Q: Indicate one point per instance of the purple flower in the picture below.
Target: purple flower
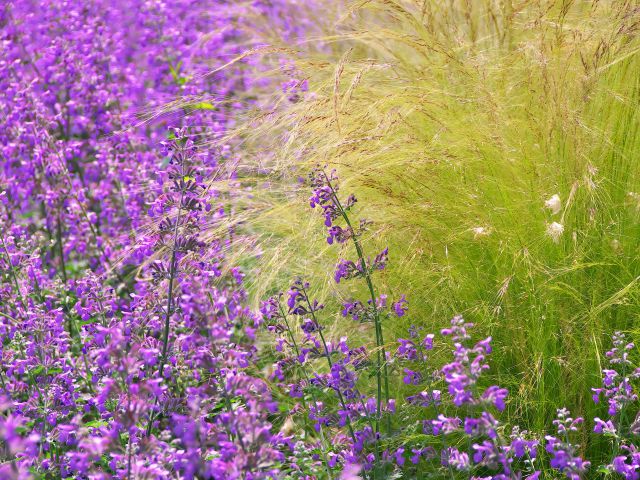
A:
(411, 377)
(616, 389)
(293, 296)
(469, 363)
(401, 306)
(418, 453)
(445, 425)
(427, 341)
(602, 426)
(345, 269)
(380, 262)
(425, 398)
(355, 309)
(407, 350)
(628, 465)
(486, 424)
(564, 457)
(457, 459)
(496, 396)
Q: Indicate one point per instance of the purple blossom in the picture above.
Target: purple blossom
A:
(496, 396)
(425, 398)
(457, 459)
(411, 377)
(407, 350)
(628, 465)
(427, 341)
(401, 306)
(564, 457)
(346, 269)
(356, 310)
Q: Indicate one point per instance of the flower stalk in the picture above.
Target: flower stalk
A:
(382, 374)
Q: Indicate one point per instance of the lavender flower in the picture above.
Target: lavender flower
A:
(617, 389)
(564, 456)
(401, 306)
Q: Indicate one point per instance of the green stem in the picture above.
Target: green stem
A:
(13, 273)
(381, 370)
(167, 318)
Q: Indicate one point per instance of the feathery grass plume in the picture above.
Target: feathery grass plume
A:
(446, 116)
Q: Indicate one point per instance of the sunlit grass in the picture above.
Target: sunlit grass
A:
(454, 122)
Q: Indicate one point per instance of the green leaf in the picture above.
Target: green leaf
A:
(201, 106)
(96, 423)
(87, 322)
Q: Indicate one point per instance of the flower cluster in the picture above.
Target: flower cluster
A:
(622, 425)
(564, 456)
(126, 339)
(322, 376)
(326, 378)
(325, 194)
(460, 434)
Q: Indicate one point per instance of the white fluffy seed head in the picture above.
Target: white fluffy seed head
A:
(554, 204)
(555, 231)
(480, 232)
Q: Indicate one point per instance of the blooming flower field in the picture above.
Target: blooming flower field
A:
(319, 240)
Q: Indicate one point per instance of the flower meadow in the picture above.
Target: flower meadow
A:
(158, 321)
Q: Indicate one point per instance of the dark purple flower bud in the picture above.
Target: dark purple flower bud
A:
(380, 262)
(309, 326)
(411, 377)
(292, 298)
